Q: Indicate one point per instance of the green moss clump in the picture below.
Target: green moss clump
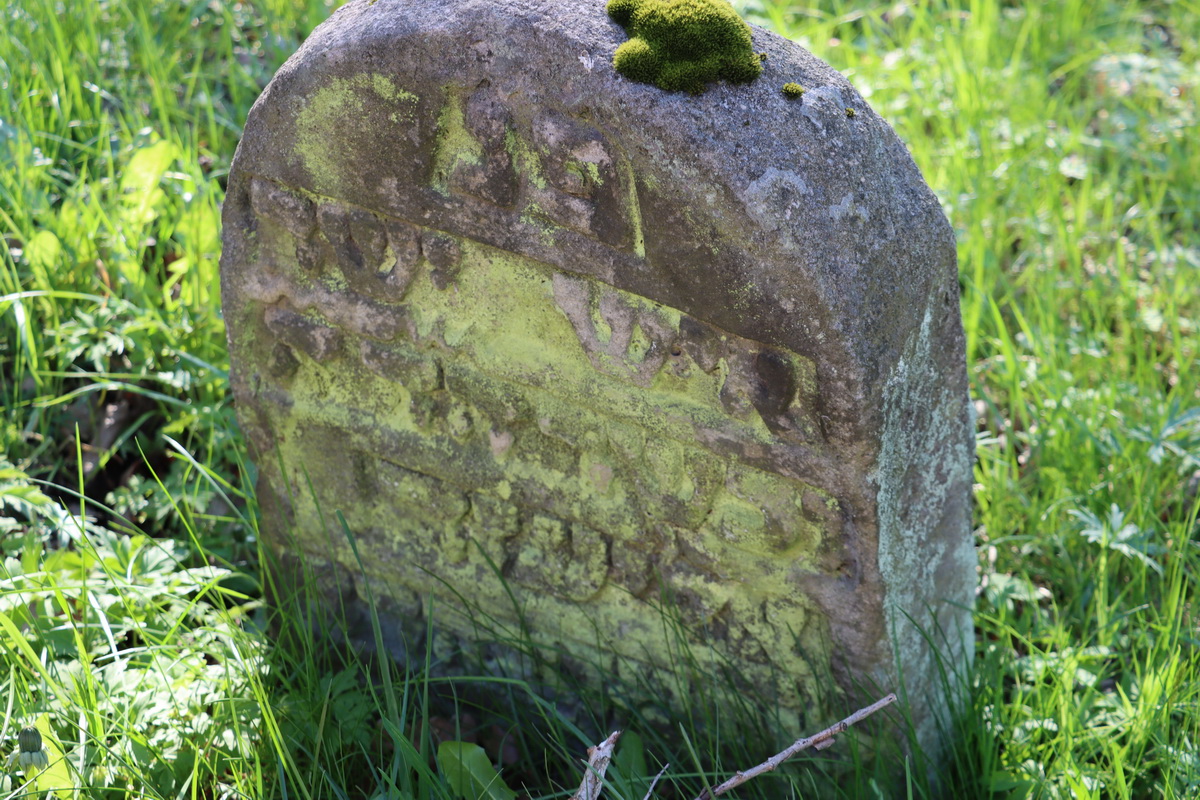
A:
(622, 11)
(792, 90)
(683, 45)
(637, 61)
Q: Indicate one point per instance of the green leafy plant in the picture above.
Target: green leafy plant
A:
(1119, 536)
(470, 773)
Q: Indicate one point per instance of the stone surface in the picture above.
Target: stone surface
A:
(498, 305)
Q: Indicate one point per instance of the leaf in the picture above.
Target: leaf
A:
(630, 763)
(1127, 539)
(43, 250)
(1006, 781)
(631, 757)
(140, 192)
(18, 642)
(1005, 590)
(56, 776)
(470, 773)
(1179, 436)
(18, 492)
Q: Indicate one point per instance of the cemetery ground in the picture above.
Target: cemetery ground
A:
(135, 627)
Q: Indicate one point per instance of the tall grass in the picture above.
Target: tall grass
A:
(133, 630)
(1057, 136)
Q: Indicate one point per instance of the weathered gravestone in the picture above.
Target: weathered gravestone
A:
(491, 300)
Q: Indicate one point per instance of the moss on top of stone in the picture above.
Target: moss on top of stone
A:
(683, 45)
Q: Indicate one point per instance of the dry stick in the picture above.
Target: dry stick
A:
(654, 782)
(820, 741)
(598, 760)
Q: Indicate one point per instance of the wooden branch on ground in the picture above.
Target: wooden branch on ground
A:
(598, 760)
(818, 741)
(601, 755)
(654, 782)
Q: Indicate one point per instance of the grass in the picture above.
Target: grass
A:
(133, 630)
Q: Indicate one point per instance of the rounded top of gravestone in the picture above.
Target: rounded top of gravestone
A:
(801, 223)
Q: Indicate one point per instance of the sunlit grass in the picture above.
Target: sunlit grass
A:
(1059, 138)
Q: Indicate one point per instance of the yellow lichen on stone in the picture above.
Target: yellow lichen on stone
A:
(557, 423)
(455, 144)
(319, 124)
(639, 451)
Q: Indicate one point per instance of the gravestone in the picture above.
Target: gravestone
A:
(508, 311)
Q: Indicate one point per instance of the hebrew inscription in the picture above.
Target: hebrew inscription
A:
(587, 435)
(594, 425)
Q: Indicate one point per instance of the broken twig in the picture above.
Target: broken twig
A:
(654, 782)
(817, 741)
(598, 760)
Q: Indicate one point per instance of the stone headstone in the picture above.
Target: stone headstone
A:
(498, 305)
